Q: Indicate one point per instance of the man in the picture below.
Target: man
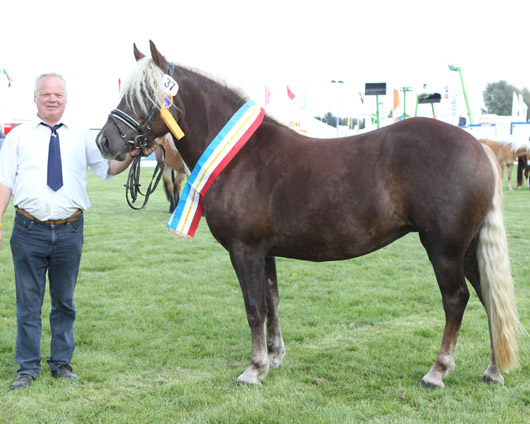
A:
(43, 165)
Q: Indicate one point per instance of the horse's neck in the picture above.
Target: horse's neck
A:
(203, 121)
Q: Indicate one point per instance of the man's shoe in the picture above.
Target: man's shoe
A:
(23, 380)
(64, 371)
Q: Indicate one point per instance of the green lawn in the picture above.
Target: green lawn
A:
(162, 333)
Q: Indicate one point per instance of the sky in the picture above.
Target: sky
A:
(303, 44)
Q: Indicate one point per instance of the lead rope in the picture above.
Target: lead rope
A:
(132, 188)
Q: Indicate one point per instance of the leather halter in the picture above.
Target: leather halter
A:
(132, 188)
(140, 141)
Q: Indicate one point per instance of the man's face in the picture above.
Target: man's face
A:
(50, 99)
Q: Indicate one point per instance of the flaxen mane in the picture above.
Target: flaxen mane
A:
(144, 88)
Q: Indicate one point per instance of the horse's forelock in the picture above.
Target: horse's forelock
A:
(144, 88)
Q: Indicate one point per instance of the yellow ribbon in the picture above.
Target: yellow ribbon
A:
(175, 129)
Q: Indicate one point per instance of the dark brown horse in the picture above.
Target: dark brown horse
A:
(288, 195)
(523, 168)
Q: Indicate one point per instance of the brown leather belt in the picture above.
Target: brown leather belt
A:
(72, 218)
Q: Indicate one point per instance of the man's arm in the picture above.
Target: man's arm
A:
(5, 197)
(116, 166)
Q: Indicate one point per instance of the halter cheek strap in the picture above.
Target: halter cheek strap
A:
(140, 140)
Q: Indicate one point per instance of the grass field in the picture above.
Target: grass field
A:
(161, 333)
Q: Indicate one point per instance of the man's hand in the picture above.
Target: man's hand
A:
(115, 167)
(135, 152)
(5, 197)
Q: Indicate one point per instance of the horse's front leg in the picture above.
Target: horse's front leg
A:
(275, 344)
(249, 265)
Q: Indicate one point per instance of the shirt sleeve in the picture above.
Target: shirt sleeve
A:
(96, 162)
(8, 160)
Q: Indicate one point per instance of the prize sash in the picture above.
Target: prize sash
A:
(215, 158)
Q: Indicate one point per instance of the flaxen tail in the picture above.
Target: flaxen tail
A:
(496, 279)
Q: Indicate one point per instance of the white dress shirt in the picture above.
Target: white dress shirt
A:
(23, 168)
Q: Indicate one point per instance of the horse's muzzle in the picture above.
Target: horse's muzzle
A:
(103, 144)
(105, 147)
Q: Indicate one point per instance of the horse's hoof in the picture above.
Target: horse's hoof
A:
(250, 376)
(492, 376)
(274, 363)
(431, 385)
(490, 380)
(275, 359)
(243, 381)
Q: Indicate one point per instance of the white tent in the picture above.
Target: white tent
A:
(288, 113)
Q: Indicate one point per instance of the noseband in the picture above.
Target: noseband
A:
(140, 139)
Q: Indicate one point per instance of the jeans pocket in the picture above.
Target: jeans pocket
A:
(77, 224)
(23, 222)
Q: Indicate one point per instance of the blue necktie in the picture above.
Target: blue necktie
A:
(55, 168)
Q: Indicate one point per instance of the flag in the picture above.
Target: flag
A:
(290, 94)
(268, 96)
(396, 104)
(9, 80)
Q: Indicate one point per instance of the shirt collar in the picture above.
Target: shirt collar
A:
(38, 120)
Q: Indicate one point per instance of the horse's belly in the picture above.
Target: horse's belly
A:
(332, 244)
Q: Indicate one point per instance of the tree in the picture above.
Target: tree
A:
(498, 97)
(526, 98)
(329, 119)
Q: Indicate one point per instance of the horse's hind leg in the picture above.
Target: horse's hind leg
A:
(169, 187)
(177, 181)
(450, 275)
(275, 344)
(471, 271)
(520, 168)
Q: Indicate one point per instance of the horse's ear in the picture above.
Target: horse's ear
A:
(137, 53)
(158, 58)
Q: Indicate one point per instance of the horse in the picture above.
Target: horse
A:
(174, 170)
(288, 195)
(523, 168)
(506, 153)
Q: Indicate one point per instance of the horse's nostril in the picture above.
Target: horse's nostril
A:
(104, 144)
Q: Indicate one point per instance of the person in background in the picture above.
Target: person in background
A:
(2, 136)
(43, 166)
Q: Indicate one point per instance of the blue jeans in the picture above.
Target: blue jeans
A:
(39, 248)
